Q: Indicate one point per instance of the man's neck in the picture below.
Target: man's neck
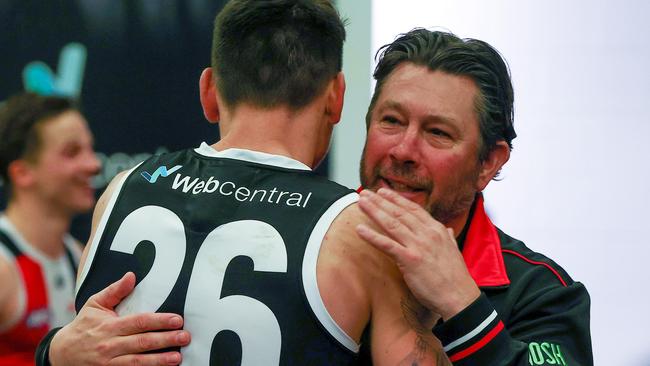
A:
(294, 134)
(42, 226)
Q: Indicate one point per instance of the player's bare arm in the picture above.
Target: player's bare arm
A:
(353, 272)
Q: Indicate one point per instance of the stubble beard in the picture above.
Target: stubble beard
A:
(446, 208)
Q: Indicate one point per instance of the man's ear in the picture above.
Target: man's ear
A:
(208, 93)
(335, 98)
(492, 164)
(20, 174)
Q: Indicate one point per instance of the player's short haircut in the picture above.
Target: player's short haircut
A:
(276, 52)
(20, 118)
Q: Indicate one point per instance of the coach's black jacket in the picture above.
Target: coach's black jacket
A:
(530, 311)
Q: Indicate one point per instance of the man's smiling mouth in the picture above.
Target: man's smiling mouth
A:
(400, 186)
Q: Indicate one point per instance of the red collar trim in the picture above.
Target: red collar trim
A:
(482, 250)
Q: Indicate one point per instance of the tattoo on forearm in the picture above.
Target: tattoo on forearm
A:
(415, 314)
(443, 360)
(410, 360)
(418, 317)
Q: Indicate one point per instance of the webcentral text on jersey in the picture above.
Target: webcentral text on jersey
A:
(241, 193)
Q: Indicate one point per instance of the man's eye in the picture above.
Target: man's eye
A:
(439, 132)
(391, 120)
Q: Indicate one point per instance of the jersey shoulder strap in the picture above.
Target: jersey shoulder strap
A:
(9, 244)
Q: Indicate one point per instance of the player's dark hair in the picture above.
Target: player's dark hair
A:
(276, 52)
(20, 117)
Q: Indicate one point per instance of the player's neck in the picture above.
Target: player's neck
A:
(42, 227)
(295, 134)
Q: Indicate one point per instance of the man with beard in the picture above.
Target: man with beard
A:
(439, 130)
(257, 254)
(46, 163)
(440, 127)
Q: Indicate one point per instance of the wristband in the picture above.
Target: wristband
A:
(42, 356)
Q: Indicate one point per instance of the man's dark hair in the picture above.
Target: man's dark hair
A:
(20, 117)
(276, 52)
(464, 57)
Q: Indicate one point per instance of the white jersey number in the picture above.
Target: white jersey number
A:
(206, 313)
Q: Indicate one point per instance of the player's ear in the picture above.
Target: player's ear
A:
(20, 173)
(335, 97)
(208, 93)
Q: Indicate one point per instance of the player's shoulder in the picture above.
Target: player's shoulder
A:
(7, 256)
(340, 236)
(344, 226)
(6, 265)
(108, 192)
(343, 236)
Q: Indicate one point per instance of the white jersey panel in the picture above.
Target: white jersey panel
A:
(309, 271)
(58, 273)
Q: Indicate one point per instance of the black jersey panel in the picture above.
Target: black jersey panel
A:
(223, 240)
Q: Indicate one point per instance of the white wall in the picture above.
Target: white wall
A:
(347, 142)
(576, 187)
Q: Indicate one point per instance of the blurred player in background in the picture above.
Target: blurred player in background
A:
(46, 163)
